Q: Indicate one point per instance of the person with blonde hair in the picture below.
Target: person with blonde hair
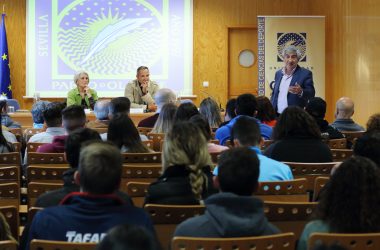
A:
(165, 119)
(186, 178)
(82, 95)
(211, 111)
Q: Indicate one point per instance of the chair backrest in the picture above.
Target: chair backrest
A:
(29, 132)
(13, 158)
(292, 190)
(33, 146)
(60, 245)
(17, 146)
(144, 130)
(32, 211)
(139, 173)
(266, 144)
(341, 154)
(337, 143)
(137, 192)
(46, 158)
(319, 183)
(10, 194)
(10, 174)
(276, 241)
(17, 132)
(100, 130)
(350, 241)
(8, 245)
(156, 138)
(149, 144)
(166, 218)
(289, 216)
(310, 171)
(352, 136)
(12, 217)
(142, 157)
(47, 174)
(35, 189)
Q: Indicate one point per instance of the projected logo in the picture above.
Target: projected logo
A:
(286, 39)
(111, 38)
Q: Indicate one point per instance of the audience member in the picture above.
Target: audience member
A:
(123, 133)
(129, 237)
(211, 111)
(186, 178)
(5, 146)
(246, 104)
(185, 111)
(88, 215)
(162, 97)
(37, 111)
(343, 116)
(5, 231)
(101, 110)
(298, 138)
(246, 133)
(373, 124)
(204, 126)
(368, 145)
(165, 119)
(230, 112)
(233, 212)
(82, 95)
(349, 203)
(73, 117)
(265, 111)
(119, 105)
(6, 120)
(53, 120)
(316, 107)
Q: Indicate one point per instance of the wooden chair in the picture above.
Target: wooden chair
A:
(8, 245)
(137, 192)
(276, 241)
(319, 183)
(10, 194)
(17, 132)
(35, 189)
(310, 171)
(8, 159)
(166, 217)
(142, 157)
(29, 132)
(292, 190)
(144, 130)
(266, 144)
(33, 146)
(141, 173)
(215, 157)
(100, 130)
(156, 138)
(337, 143)
(32, 211)
(229, 144)
(289, 216)
(17, 146)
(350, 241)
(148, 143)
(352, 136)
(341, 154)
(10, 174)
(60, 245)
(46, 158)
(47, 174)
(11, 215)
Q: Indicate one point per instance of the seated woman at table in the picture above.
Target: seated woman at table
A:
(6, 120)
(82, 94)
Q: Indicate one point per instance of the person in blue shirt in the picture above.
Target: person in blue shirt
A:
(246, 133)
(246, 104)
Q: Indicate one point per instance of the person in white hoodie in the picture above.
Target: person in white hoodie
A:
(233, 212)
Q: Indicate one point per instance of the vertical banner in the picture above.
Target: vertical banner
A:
(5, 77)
(277, 32)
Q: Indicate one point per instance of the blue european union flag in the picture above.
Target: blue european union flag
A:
(5, 76)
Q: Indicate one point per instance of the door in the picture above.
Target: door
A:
(242, 61)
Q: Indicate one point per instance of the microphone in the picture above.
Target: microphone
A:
(215, 99)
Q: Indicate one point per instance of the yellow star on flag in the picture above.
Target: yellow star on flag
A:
(3, 94)
(10, 87)
(4, 57)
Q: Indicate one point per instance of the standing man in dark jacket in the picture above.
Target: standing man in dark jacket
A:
(293, 85)
(233, 212)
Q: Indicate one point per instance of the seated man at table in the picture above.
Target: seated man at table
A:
(53, 120)
(233, 212)
(86, 216)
